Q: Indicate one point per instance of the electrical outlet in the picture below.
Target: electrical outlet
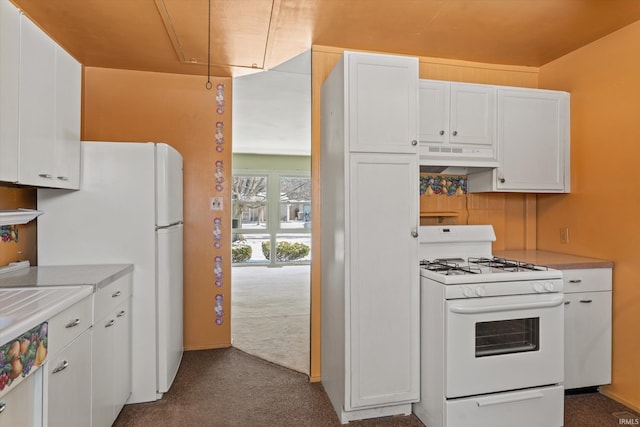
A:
(564, 235)
(215, 204)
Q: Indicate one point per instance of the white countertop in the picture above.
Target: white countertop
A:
(23, 308)
(32, 295)
(98, 276)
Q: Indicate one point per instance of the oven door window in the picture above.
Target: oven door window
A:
(507, 336)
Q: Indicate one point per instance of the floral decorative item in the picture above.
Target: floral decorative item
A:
(19, 356)
(9, 233)
(448, 185)
(219, 136)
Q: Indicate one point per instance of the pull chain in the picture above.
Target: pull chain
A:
(209, 85)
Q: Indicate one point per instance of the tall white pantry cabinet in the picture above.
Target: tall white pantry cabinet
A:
(369, 222)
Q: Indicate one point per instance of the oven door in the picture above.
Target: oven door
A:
(504, 343)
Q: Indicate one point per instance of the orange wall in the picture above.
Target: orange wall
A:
(177, 109)
(602, 209)
(25, 246)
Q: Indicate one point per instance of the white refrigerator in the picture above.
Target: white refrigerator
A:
(128, 210)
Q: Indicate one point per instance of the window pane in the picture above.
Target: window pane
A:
(293, 248)
(249, 249)
(295, 203)
(249, 202)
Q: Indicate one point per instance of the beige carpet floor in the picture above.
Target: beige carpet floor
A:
(270, 309)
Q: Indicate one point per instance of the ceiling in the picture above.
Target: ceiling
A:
(249, 35)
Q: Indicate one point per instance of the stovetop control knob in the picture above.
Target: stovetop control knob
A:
(480, 291)
(467, 292)
(548, 286)
(537, 286)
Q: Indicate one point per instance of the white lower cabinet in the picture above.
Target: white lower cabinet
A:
(111, 352)
(67, 380)
(587, 322)
(69, 385)
(22, 405)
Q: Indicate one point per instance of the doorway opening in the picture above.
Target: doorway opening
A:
(271, 214)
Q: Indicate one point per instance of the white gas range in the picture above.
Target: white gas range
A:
(492, 341)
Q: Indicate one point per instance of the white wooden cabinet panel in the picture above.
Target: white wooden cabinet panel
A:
(383, 97)
(532, 143)
(384, 279)
(472, 114)
(40, 90)
(370, 270)
(9, 90)
(69, 384)
(111, 351)
(23, 405)
(36, 106)
(587, 324)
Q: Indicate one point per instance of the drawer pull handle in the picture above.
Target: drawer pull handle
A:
(567, 302)
(63, 178)
(3, 405)
(575, 281)
(122, 313)
(45, 175)
(75, 322)
(586, 301)
(111, 323)
(64, 365)
(116, 294)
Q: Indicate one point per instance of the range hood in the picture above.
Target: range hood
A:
(454, 163)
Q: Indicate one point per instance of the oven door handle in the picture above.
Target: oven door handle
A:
(554, 301)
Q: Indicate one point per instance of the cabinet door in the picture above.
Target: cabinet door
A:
(472, 114)
(383, 289)
(103, 370)
(383, 103)
(9, 90)
(67, 120)
(587, 356)
(69, 384)
(533, 140)
(122, 356)
(22, 406)
(37, 91)
(433, 101)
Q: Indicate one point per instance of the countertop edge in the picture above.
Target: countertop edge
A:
(556, 260)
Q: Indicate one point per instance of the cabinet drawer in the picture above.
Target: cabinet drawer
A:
(587, 280)
(107, 298)
(69, 324)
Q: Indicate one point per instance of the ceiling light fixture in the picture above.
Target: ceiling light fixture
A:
(209, 85)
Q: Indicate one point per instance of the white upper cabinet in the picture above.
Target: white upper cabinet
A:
(456, 120)
(40, 114)
(382, 102)
(533, 143)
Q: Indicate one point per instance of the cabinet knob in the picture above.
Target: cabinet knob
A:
(63, 178)
(122, 313)
(75, 322)
(3, 405)
(45, 175)
(414, 142)
(414, 234)
(61, 367)
(116, 294)
(567, 302)
(441, 132)
(110, 323)
(502, 180)
(454, 133)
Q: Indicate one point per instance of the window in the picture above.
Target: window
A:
(271, 218)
